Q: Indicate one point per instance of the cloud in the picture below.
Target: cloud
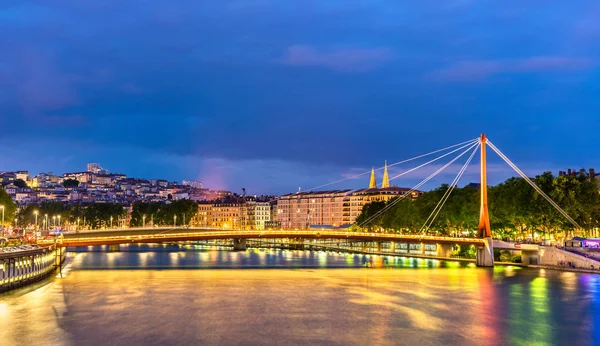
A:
(37, 81)
(474, 70)
(338, 59)
(467, 71)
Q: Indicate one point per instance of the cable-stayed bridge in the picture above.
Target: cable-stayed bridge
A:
(417, 244)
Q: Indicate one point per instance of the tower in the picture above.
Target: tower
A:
(386, 179)
(484, 217)
(373, 182)
(485, 252)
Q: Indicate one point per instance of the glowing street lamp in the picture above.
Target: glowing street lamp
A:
(58, 221)
(35, 230)
(2, 207)
(174, 220)
(111, 218)
(144, 221)
(53, 221)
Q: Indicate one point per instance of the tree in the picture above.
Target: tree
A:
(368, 213)
(103, 214)
(163, 213)
(71, 183)
(10, 208)
(20, 183)
(517, 210)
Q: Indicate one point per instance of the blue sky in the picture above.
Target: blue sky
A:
(276, 95)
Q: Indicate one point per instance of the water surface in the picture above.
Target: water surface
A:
(297, 297)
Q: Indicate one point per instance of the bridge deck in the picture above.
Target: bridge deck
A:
(158, 235)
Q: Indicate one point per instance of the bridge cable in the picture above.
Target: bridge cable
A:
(447, 193)
(397, 200)
(437, 158)
(394, 164)
(530, 182)
(409, 192)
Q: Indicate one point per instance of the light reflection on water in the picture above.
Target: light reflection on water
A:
(191, 257)
(364, 300)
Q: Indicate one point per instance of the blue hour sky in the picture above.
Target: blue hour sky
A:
(275, 95)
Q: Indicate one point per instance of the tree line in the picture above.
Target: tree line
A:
(516, 210)
(99, 215)
(178, 212)
(92, 216)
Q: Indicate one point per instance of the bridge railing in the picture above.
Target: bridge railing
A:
(173, 233)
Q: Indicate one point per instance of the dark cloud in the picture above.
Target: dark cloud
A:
(174, 89)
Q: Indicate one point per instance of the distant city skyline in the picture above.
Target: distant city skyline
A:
(497, 171)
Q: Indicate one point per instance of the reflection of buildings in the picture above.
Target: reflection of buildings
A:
(335, 208)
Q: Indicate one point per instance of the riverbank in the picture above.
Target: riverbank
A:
(19, 269)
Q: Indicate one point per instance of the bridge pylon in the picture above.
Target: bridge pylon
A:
(485, 253)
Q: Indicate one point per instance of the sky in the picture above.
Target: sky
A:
(276, 95)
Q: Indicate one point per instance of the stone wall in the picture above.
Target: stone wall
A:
(557, 257)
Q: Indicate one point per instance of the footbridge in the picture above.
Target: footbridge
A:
(418, 243)
(401, 244)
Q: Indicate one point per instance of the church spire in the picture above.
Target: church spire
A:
(373, 182)
(386, 179)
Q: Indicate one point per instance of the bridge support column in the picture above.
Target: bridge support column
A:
(530, 257)
(239, 244)
(485, 253)
(114, 248)
(444, 250)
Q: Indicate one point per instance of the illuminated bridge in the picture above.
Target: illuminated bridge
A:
(416, 245)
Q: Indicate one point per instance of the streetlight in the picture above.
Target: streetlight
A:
(47, 226)
(35, 230)
(58, 221)
(174, 220)
(111, 218)
(77, 223)
(144, 221)
(53, 221)
(2, 207)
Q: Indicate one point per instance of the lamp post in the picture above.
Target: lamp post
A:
(144, 221)
(183, 219)
(111, 218)
(46, 218)
(77, 223)
(58, 221)
(174, 220)
(35, 230)
(2, 207)
(53, 221)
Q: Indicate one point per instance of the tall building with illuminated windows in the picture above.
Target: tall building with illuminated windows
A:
(334, 208)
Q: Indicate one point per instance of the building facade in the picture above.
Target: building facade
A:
(192, 183)
(302, 210)
(335, 208)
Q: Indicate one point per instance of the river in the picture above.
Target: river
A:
(184, 295)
